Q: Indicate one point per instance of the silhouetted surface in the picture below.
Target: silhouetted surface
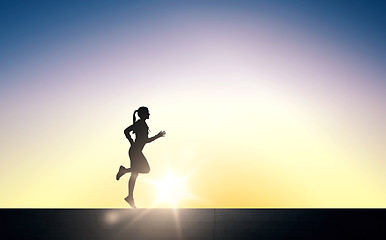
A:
(193, 223)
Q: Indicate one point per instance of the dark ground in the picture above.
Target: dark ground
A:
(193, 224)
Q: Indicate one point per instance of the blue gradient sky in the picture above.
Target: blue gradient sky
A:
(30, 27)
(305, 78)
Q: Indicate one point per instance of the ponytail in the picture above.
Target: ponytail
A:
(134, 116)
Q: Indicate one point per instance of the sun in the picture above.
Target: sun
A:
(171, 189)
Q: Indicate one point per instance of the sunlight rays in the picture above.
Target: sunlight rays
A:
(171, 189)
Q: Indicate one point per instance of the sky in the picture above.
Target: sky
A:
(264, 104)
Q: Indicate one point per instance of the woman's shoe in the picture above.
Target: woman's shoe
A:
(121, 172)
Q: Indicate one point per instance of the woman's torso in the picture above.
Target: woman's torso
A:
(141, 131)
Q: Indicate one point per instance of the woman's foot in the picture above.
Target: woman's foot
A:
(121, 172)
(130, 201)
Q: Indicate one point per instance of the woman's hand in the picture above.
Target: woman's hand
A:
(161, 134)
(131, 141)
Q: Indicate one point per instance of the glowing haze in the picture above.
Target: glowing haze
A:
(261, 108)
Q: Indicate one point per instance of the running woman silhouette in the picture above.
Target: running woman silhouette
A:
(138, 162)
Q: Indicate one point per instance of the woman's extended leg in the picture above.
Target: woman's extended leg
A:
(132, 180)
(130, 198)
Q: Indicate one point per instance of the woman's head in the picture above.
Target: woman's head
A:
(143, 113)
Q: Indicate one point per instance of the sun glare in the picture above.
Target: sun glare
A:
(171, 189)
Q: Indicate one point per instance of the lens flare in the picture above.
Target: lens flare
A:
(171, 189)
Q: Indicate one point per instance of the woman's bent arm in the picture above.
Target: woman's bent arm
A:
(127, 134)
(160, 134)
